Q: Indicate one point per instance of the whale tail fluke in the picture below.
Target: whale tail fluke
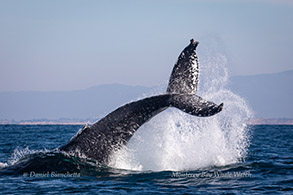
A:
(183, 85)
(184, 76)
(194, 105)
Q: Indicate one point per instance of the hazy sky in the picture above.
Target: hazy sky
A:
(69, 44)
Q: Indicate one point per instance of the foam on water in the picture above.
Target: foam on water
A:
(174, 140)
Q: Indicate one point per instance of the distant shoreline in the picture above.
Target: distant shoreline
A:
(270, 121)
(255, 121)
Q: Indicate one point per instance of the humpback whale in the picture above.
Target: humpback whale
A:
(113, 131)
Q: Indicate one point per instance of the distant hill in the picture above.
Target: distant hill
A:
(269, 95)
(80, 104)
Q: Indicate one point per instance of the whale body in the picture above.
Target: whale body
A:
(99, 140)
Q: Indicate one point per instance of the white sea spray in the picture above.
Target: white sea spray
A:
(174, 140)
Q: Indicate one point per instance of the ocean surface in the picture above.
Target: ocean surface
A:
(31, 165)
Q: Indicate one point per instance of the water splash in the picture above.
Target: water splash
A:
(19, 153)
(174, 140)
(3, 165)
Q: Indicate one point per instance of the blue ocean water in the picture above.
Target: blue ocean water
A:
(30, 165)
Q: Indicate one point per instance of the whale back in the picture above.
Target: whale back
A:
(115, 129)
